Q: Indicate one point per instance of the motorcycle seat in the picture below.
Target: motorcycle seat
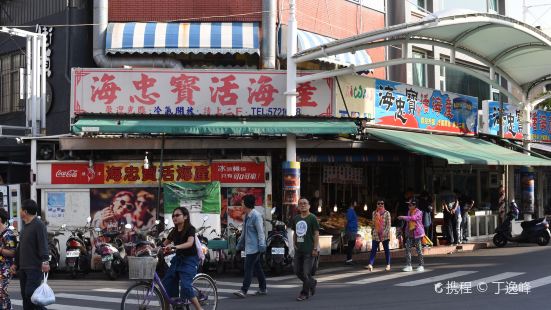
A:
(527, 224)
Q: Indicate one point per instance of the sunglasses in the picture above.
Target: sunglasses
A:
(380, 203)
(177, 214)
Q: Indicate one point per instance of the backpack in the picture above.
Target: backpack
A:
(199, 247)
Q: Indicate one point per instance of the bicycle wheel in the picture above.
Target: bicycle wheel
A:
(140, 297)
(206, 292)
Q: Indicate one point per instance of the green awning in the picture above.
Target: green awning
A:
(457, 150)
(234, 127)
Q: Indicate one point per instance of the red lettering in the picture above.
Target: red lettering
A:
(143, 85)
(261, 91)
(183, 173)
(202, 173)
(131, 173)
(107, 91)
(224, 94)
(114, 173)
(184, 86)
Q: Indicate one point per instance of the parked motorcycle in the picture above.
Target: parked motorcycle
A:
(53, 248)
(78, 252)
(236, 257)
(204, 245)
(218, 253)
(535, 231)
(277, 246)
(113, 254)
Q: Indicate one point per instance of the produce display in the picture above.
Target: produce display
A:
(337, 221)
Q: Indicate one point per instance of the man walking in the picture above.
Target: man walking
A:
(253, 242)
(31, 256)
(351, 231)
(306, 241)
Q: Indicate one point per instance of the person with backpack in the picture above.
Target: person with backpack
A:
(8, 244)
(253, 242)
(184, 265)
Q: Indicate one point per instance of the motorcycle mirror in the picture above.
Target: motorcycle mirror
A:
(157, 222)
(205, 218)
(88, 220)
(63, 226)
(128, 226)
(273, 211)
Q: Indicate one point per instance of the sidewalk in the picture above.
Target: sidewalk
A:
(400, 253)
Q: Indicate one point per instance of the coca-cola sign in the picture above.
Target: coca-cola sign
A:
(66, 173)
(77, 173)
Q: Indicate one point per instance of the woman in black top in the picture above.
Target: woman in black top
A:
(184, 265)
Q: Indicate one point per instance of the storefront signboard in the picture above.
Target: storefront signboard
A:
(406, 106)
(511, 119)
(193, 92)
(358, 93)
(121, 173)
(238, 172)
(541, 126)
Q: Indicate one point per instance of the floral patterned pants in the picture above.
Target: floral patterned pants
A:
(5, 302)
(417, 243)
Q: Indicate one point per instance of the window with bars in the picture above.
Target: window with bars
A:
(10, 65)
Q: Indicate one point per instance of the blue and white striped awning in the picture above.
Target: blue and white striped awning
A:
(195, 38)
(308, 40)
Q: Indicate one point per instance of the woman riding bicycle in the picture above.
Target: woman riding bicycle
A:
(185, 263)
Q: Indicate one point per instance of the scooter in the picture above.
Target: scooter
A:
(218, 253)
(204, 245)
(235, 256)
(535, 231)
(53, 248)
(78, 253)
(113, 254)
(277, 246)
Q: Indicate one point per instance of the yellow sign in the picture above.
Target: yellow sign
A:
(359, 96)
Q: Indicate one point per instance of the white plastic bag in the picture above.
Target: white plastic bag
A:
(43, 295)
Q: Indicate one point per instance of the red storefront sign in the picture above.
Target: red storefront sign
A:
(77, 173)
(238, 172)
(128, 173)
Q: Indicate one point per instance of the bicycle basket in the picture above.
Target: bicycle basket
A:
(141, 268)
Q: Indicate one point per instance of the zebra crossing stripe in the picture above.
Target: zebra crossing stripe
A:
(446, 276)
(322, 271)
(497, 277)
(19, 302)
(540, 282)
(390, 276)
(343, 275)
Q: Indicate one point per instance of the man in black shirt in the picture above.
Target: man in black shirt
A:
(31, 256)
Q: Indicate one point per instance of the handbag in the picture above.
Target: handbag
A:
(426, 241)
(43, 295)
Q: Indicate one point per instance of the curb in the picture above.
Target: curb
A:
(400, 253)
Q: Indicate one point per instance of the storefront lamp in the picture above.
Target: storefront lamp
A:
(335, 208)
(319, 209)
(365, 207)
(146, 161)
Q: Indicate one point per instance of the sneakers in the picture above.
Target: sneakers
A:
(369, 267)
(261, 293)
(302, 297)
(313, 288)
(420, 269)
(387, 268)
(240, 294)
(349, 262)
(407, 269)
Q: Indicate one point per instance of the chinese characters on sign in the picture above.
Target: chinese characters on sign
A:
(135, 173)
(511, 119)
(194, 92)
(541, 125)
(342, 175)
(358, 93)
(406, 106)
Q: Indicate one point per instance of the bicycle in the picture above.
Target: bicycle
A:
(149, 293)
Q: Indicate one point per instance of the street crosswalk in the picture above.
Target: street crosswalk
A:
(103, 298)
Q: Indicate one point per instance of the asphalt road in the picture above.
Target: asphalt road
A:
(515, 277)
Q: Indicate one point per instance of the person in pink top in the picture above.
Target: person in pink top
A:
(414, 234)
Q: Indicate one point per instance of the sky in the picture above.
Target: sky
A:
(538, 12)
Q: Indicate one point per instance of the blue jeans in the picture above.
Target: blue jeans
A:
(182, 268)
(29, 280)
(375, 247)
(253, 264)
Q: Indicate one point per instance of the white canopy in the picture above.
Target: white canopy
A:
(517, 51)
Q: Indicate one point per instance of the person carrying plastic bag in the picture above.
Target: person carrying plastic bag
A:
(31, 256)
